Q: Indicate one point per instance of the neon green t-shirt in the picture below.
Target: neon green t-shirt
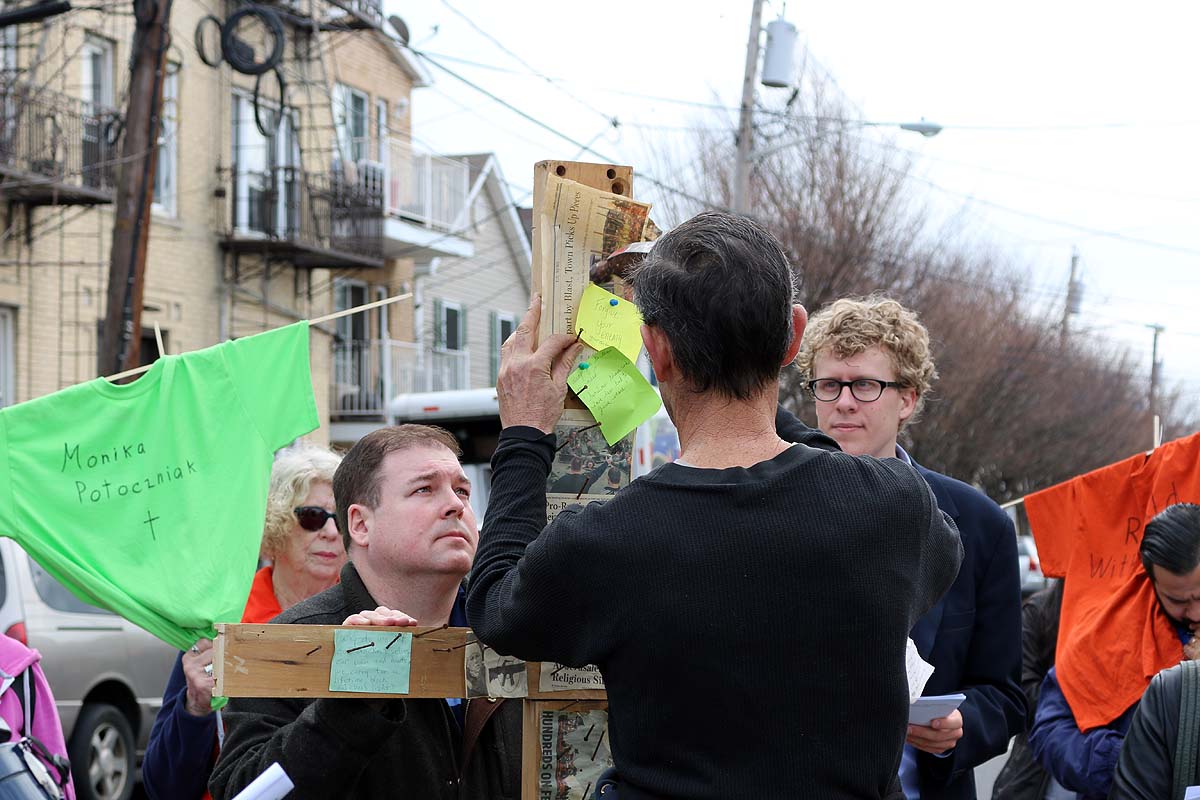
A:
(148, 498)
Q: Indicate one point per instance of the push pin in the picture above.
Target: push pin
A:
(584, 365)
(613, 301)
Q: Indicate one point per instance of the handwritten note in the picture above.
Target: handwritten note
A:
(373, 661)
(919, 671)
(606, 320)
(615, 392)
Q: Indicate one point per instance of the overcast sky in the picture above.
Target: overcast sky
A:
(1066, 123)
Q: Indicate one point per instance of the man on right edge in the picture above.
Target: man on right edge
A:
(747, 606)
(868, 366)
(1087, 761)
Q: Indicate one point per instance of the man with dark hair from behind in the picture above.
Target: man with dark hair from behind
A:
(614, 481)
(748, 605)
(1086, 762)
(404, 510)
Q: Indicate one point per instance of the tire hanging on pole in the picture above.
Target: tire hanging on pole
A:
(199, 40)
(234, 49)
(270, 130)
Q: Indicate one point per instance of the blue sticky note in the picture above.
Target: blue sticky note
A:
(369, 660)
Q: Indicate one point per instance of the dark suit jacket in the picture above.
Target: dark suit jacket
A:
(972, 637)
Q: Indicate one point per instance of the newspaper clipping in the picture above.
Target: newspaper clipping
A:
(560, 678)
(490, 674)
(579, 226)
(574, 752)
(585, 469)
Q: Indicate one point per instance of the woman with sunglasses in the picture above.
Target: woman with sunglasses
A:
(302, 544)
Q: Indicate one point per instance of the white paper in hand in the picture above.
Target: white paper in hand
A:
(926, 709)
(918, 669)
(1191, 793)
(271, 785)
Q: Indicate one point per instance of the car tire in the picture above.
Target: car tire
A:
(102, 754)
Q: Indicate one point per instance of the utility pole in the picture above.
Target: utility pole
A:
(1073, 297)
(121, 340)
(745, 139)
(1154, 369)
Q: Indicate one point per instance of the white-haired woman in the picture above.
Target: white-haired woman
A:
(301, 540)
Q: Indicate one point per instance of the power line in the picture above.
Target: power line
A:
(656, 98)
(584, 148)
(1030, 178)
(611, 120)
(1101, 232)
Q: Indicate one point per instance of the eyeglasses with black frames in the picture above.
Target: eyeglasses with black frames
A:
(864, 390)
(312, 518)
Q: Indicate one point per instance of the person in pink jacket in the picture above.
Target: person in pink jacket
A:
(16, 658)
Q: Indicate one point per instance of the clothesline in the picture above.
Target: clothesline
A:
(335, 315)
(1158, 434)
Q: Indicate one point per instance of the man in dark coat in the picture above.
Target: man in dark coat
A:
(403, 507)
(868, 366)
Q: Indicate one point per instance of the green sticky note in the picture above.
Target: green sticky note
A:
(366, 660)
(615, 392)
(607, 325)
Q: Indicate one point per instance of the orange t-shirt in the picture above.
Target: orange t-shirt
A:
(1113, 636)
(261, 606)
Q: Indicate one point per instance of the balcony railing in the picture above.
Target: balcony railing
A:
(56, 148)
(363, 13)
(367, 374)
(326, 219)
(428, 189)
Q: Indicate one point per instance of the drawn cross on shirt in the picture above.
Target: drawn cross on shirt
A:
(150, 520)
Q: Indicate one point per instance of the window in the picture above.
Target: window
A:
(7, 355)
(96, 91)
(350, 294)
(57, 596)
(502, 327)
(350, 110)
(449, 326)
(266, 196)
(164, 173)
(8, 50)
(381, 131)
(96, 88)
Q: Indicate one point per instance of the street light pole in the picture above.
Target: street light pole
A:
(745, 139)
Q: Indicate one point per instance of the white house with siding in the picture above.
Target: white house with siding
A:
(467, 306)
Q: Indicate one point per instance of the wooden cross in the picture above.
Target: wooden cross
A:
(295, 660)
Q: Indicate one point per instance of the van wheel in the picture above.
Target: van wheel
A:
(102, 754)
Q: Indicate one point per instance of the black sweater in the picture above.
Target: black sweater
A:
(750, 624)
(336, 748)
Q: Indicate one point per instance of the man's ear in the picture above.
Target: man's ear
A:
(359, 520)
(658, 349)
(908, 403)
(799, 321)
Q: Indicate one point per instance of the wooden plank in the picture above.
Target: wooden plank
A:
(294, 661)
